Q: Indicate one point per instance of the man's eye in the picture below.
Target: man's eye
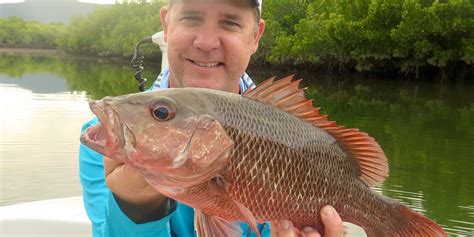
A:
(231, 24)
(190, 18)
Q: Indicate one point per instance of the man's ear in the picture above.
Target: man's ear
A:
(164, 22)
(258, 36)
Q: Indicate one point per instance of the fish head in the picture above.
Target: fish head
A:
(169, 135)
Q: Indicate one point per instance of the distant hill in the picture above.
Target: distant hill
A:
(47, 11)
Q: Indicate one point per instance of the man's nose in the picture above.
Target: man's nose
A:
(207, 38)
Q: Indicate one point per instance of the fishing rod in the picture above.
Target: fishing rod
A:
(137, 63)
(138, 58)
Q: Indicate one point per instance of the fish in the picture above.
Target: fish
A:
(265, 155)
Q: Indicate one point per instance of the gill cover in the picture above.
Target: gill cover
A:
(204, 146)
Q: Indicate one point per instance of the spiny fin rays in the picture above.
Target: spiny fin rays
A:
(286, 95)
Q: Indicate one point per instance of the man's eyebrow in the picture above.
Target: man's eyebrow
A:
(189, 12)
(233, 17)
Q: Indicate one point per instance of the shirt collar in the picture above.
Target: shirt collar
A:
(162, 81)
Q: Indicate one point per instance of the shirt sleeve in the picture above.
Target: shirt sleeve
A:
(106, 216)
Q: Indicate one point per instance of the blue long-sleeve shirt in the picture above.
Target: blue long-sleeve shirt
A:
(106, 216)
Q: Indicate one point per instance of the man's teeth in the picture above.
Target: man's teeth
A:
(211, 64)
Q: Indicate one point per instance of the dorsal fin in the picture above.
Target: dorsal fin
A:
(286, 95)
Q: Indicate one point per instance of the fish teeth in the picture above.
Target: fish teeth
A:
(202, 64)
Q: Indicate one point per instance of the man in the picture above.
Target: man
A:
(210, 43)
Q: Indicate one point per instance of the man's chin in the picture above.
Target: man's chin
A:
(209, 83)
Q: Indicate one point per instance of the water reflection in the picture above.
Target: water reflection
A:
(426, 129)
(38, 144)
(427, 134)
(38, 83)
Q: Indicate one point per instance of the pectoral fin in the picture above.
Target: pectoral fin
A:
(219, 186)
(208, 225)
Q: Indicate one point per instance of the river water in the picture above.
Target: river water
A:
(425, 128)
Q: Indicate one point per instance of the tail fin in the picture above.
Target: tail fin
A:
(410, 223)
(418, 225)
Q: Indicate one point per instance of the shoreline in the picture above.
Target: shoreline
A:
(35, 51)
(61, 53)
(390, 74)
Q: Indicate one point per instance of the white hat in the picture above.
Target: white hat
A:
(259, 4)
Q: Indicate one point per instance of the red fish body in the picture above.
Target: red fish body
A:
(263, 156)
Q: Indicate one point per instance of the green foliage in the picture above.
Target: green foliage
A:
(15, 32)
(436, 35)
(368, 35)
(108, 31)
(280, 20)
(112, 31)
(376, 34)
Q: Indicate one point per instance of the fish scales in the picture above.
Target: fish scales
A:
(291, 167)
(285, 147)
(243, 158)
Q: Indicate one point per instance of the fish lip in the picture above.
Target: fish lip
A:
(88, 138)
(108, 136)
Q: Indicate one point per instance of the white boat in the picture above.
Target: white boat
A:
(63, 217)
(54, 217)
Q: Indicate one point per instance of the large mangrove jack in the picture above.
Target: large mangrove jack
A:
(265, 155)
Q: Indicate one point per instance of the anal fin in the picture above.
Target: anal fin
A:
(219, 187)
(214, 226)
(248, 217)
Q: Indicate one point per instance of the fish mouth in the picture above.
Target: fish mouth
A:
(110, 136)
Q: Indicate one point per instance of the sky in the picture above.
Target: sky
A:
(90, 1)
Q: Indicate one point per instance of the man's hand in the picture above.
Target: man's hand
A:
(331, 220)
(137, 199)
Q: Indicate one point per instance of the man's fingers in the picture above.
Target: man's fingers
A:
(110, 165)
(127, 177)
(310, 232)
(282, 228)
(274, 229)
(332, 222)
(120, 173)
(121, 177)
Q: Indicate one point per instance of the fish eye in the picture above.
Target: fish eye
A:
(163, 111)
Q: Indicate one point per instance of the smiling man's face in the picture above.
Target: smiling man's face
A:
(210, 42)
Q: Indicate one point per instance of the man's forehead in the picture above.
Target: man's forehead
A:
(250, 3)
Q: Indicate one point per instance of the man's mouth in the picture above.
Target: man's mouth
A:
(206, 64)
